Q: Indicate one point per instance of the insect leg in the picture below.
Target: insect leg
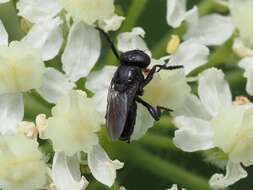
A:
(108, 38)
(155, 113)
(153, 71)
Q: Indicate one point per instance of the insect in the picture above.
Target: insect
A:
(126, 89)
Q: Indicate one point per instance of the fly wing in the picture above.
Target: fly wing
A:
(118, 106)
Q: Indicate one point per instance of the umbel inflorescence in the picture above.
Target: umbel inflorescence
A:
(56, 69)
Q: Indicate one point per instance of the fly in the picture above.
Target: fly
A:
(126, 89)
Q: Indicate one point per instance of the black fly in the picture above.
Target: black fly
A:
(125, 90)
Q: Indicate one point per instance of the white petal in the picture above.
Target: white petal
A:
(176, 12)
(133, 40)
(247, 65)
(208, 30)
(38, 10)
(144, 121)
(214, 91)
(234, 173)
(55, 85)
(3, 35)
(111, 24)
(11, 112)
(82, 51)
(4, 1)
(192, 107)
(193, 134)
(47, 37)
(241, 49)
(66, 173)
(191, 55)
(98, 82)
(102, 168)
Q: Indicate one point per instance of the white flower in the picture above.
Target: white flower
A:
(21, 70)
(204, 123)
(75, 120)
(21, 165)
(88, 11)
(174, 187)
(96, 12)
(79, 57)
(204, 30)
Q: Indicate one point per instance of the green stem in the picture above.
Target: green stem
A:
(157, 142)
(34, 107)
(134, 12)
(167, 170)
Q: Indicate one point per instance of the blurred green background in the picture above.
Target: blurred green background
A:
(153, 162)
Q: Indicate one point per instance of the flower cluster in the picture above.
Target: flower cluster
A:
(204, 112)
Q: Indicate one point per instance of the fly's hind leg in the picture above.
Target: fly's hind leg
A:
(155, 112)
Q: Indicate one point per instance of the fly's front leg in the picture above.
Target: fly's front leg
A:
(161, 67)
(155, 113)
(115, 52)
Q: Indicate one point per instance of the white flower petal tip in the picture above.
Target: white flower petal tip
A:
(98, 82)
(144, 121)
(3, 35)
(207, 30)
(214, 91)
(82, 51)
(191, 55)
(111, 24)
(66, 173)
(176, 12)
(38, 11)
(55, 85)
(89, 11)
(74, 119)
(247, 65)
(175, 187)
(11, 112)
(122, 188)
(21, 68)
(47, 37)
(234, 172)
(133, 40)
(193, 134)
(102, 168)
(22, 165)
(241, 49)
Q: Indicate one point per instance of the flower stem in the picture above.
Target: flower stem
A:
(167, 170)
(157, 142)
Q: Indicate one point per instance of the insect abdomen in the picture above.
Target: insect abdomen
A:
(130, 122)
